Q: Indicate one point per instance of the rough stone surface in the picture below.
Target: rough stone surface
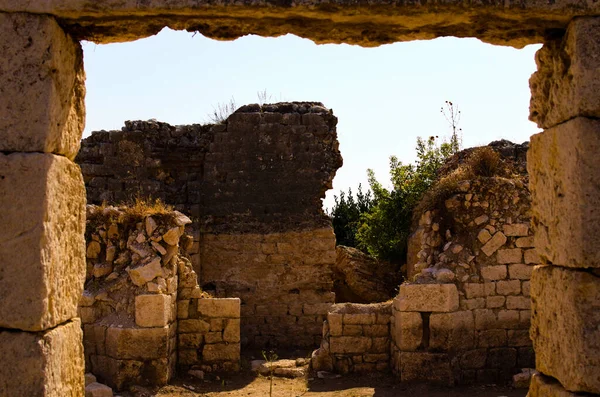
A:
(42, 93)
(564, 326)
(98, 390)
(137, 343)
(359, 278)
(42, 249)
(427, 298)
(224, 308)
(566, 84)
(45, 364)
(563, 164)
(512, 23)
(408, 330)
(152, 310)
(544, 386)
(426, 367)
(452, 331)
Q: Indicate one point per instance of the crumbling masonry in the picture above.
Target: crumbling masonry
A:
(42, 250)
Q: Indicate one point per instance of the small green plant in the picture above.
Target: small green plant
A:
(270, 358)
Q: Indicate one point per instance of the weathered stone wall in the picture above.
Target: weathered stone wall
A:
(42, 197)
(137, 286)
(253, 186)
(128, 308)
(284, 280)
(565, 184)
(465, 315)
(356, 339)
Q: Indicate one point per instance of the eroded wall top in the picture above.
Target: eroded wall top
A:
(510, 22)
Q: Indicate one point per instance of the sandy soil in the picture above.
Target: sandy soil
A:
(247, 384)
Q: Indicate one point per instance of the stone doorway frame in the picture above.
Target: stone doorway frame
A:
(42, 196)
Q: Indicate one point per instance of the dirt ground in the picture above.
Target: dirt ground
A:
(247, 384)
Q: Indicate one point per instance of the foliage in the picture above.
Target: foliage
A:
(384, 230)
(346, 214)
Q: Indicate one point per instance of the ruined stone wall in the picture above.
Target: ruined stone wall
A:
(137, 285)
(465, 315)
(356, 339)
(253, 188)
(128, 308)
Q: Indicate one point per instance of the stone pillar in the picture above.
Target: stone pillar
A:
(564, 168)
(42, 202)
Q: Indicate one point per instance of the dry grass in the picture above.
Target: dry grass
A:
(484, 161)
(130, 213)
(481, 162)
(443, 189)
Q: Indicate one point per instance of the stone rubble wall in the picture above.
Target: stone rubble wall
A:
(128, 307)
(253, 188)
(137, 286)
(356, 339)
(465, 315)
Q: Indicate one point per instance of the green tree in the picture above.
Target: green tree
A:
(346, 214)
(384, 230)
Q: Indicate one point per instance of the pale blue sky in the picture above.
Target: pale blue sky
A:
(384, 97)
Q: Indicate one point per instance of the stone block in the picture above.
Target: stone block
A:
(564, 326)
(563, 166)
(509, 255)
(451, 331)
(427, 298)
(485, 319)
(190, 341)
(474, 290)
(566, 82)
(231, 333)
(426, 367)
(193, 326)
(544, 386)
(137, 343)
(221, 352)
(42, 103)
(349, 344)
(42, 248)
(335, 324)
(408, 330)
(509, 319)
(493, 272)
(494, 302)
(519, 338)
(532, 256)
(525, 242)
(219, 307)
(502, 357)
(516, 229)
(520, 271)
(152, 310)
(359, 318)
(45, 364)
(472, 304)
(473, 359)
(508, 287)
(518, 302)
(96, 389)
(495, 243)
(491, 338)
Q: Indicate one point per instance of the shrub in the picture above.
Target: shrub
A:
(484, 161)
(346, 213)
(384, 230)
